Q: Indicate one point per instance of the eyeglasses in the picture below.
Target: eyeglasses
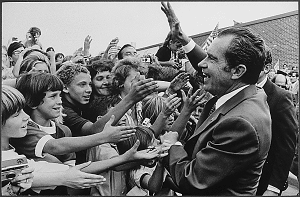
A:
(17, 52)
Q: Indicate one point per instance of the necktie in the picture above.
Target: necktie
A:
(209, 108)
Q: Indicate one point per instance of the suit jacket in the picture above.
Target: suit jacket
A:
(225, 155)
(284, 132)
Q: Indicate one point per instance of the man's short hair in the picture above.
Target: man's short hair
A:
(120, 55)
(14, 46)
(34, 87)
(69, 70)
(245, 48)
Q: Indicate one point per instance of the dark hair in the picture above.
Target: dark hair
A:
(50, 49)
(100, 66)
(268, 59)
(58, 54)
(34, 87)
(247, 49)
(292, 72)
(69, 70)
(120, 55)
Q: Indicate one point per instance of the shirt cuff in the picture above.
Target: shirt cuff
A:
(40, 145)
(273, 189)
(178, 143)
(187, 48)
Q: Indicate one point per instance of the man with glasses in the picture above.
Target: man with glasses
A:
(14, 51)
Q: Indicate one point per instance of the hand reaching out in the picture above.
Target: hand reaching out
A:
(133, 154)
(77, 179)
(191, 102)
(114, 134)
(172, 103)
(178, 83)
(141, 88)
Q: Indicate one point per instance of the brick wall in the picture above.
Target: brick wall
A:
(280, 33)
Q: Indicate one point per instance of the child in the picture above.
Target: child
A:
(43, 103)
(14, 125)
(145, 180)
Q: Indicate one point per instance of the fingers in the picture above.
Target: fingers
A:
(136, 145)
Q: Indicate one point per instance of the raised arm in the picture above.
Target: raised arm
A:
(194, 52)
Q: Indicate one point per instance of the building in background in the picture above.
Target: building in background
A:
(280, 33)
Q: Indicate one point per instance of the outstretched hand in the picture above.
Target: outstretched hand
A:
(178, 83)
(141, 88)
(77, 179)
(114, 134)
(133, 154)
(87, 42)
(192, 101)
(172, 103)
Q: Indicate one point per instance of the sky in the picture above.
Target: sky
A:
(65, 25)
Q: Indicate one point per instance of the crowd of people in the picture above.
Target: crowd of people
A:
(183, 121)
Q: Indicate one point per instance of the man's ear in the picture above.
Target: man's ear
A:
(238, 71)
(267, 68)
(65, 90)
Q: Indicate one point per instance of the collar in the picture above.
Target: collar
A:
(49, 130)
(227, 96)
(262, 83)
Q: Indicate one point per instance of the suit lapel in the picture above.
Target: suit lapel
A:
(225, 108)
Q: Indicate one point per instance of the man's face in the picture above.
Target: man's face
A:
(59, 58)
(16, 53)
(129, 51)
(217, 81)
(50, 106)
(293, 77)
(80, 88)
(102, 83)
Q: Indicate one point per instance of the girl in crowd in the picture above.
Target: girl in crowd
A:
(143, 180)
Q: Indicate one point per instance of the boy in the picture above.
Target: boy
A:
(43, 104)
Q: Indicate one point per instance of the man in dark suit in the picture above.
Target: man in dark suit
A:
(226, 153)
(284, 130)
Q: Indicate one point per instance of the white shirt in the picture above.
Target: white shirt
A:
(228, 96)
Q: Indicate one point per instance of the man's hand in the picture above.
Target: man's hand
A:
(174, 23)
(77, 179)
(170, 136)
(178, 83)
(114, 134)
